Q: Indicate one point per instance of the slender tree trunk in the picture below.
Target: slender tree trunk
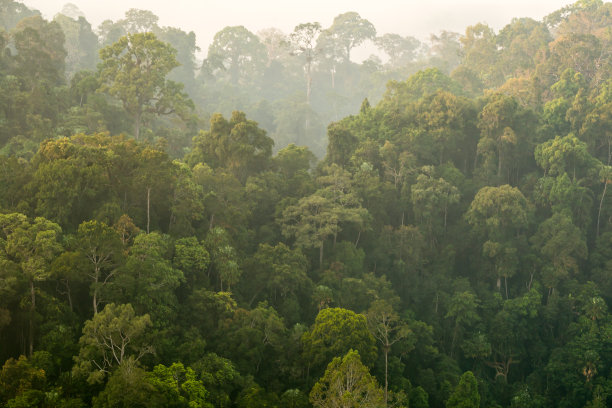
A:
(386, 375)
(32, 309)
(95, 292)
(445, 216)
(308, 84)
(506, 286)
(603, 195)
(137, 126)
(148, 208)
(69, 295)
(321, 255)
(499, 164)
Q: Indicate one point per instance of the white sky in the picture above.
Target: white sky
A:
(417, 18)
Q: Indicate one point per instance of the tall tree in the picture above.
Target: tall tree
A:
(335, 332)
(350, 31)
(347, 383)
(109, 339)
(102, 247)
(32, 245)
(239, 52)
(134, 70)
(303, 40)
(465, 395)
(386, 326)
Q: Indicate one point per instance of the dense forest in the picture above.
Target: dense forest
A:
(280, 226)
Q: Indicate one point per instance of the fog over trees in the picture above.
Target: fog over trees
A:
(279, 225)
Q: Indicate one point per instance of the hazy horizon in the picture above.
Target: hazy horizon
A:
(409, 17)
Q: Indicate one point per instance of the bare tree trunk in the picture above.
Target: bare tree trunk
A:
(32, 309)
(137, 126)
(603, 194)
(506, 285)
(148, 208)
(386, 376)
(321, 255)
(308, 84)
(69, 296)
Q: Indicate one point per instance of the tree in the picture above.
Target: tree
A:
(562, 244)
(504, 127)
(303, 39)
(277, 274)
(223, 256)
(102, 247)
(480, 52)
(386, 326)
(341, 144)
(239, 52)
(445, 50)
(311, 221)
(13, 12)
(254, 341)
(465, 395)
(334, 333)
(430, 197)
(293, 159)
(81, 43)
(238, 145)
(346, 383)
(31, 245)
(565, 154)
(134, 70)
(499, 215)
(193, 259)
(401, 50)
(350, 31)
(127, 387)
(20, 377)
(319, 216)
(177, 386)
(111, 338)
(40, 52)
(463, 309)
(148, 281)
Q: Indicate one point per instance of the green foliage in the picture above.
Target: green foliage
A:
(486, 161)
(336, 331)
(465, 395)
(134, 70)
(177, 386)
(347, 383)
(111, 338)
(237, 145)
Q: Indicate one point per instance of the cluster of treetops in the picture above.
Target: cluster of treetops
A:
(452, 248)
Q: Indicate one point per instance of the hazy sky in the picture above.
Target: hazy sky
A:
(418, 18)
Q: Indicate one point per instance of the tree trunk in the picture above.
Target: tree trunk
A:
(386, 375)
(137, 126)
(95, 292)
(321, 255)
(69, 295)
(32, 309)
(148, 208)
(308, 83)
(603, 194)
(506, 286)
